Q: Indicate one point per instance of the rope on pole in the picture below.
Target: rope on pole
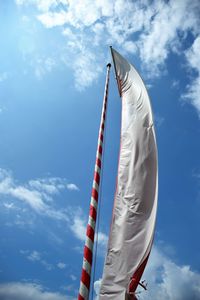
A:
(90, 233)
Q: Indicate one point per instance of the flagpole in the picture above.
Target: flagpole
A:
(84, 289)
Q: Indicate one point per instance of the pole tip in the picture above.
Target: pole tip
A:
(108, 65)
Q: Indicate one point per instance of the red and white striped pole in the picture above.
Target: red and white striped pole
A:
(89, 242)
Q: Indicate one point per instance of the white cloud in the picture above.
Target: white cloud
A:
(129, 46)
(61, 265)
(30, 291)
(193, 92)
(193, 54)
(8, 187)
(102, 239)
(42, 66)
(169, 281)
(51, 19)
(81, 56)
(34, 256)
(169, 19)
(47, 266)
(9, 205)
(175, 84)
(86, 68)
(166, 280)
(79, 227)
(97, 285)
(193, 89)
(42, 5)
(35, 193)
(73, 277)
(48, 185)
(72, 187)
(159, 120)
(33, 198)
(79, 13)
(152, 29)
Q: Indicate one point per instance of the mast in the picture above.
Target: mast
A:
(90, 233)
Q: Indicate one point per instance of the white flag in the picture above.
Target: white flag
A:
(135, 203)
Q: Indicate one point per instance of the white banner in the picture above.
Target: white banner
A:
(135, 203)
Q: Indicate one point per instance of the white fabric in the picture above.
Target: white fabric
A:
(135, 203)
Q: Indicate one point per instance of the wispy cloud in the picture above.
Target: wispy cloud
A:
(35, 198)
(43, 66)
(167, 280)
(37, 257)
(159, 120)
(175, 84)
(193, 89)
(36, 193)
(78, 227)
(20, 291)
(73, 277)
(61, 265)
(47, 266)
(9, 205)
(34, 256)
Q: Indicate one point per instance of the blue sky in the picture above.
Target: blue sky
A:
(52, 71)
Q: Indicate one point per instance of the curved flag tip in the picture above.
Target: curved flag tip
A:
(116, 74)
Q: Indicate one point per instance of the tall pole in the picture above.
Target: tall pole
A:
(90, 233)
